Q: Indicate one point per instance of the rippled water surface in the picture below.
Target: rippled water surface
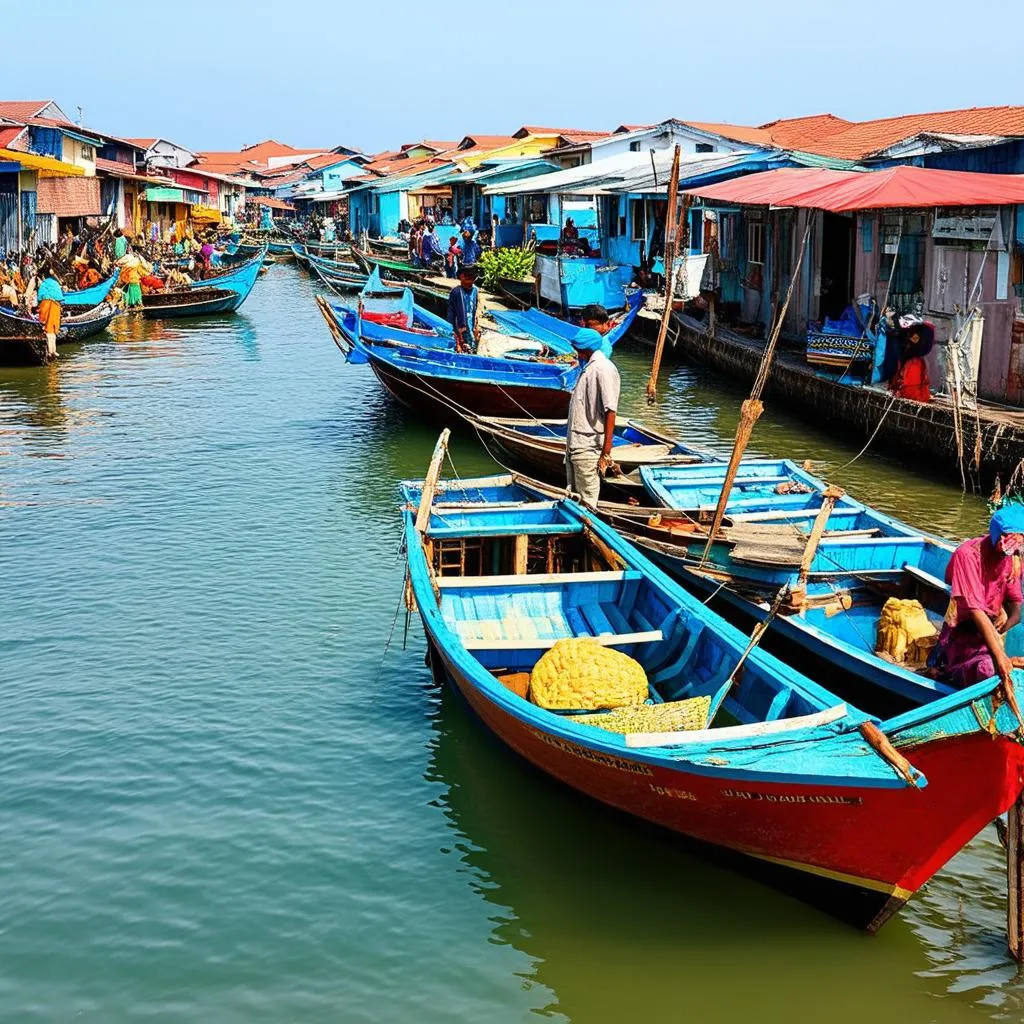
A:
(220, 800)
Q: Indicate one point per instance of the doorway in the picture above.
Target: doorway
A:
(836, 265)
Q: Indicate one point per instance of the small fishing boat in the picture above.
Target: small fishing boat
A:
(192, 302)
(91, 296)
(557, 333)
(300, 254)
(23, 341)
(538, 447)
(238, 279)
(838, 577)
(393, 248)
(395, 268)
(733, 748)
(280, 248)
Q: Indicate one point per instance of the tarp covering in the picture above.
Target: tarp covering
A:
(893, 188)
(273, 204)
(69, 197)
(44, 164)
(164, 195)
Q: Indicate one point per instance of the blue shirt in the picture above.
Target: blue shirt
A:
(468, 225)
(470, 252)
(462, 307)
(50, 289)
(430, 247)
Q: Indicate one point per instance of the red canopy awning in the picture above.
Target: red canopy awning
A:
(890, 189)
(273, 204)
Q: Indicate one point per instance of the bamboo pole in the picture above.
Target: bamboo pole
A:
(752, 407)
(670, 266)
(828, 502)
(430, 481)
(1015, 879)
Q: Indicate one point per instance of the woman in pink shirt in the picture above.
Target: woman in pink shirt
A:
(984, 576)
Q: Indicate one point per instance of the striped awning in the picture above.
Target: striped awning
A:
(69, 197)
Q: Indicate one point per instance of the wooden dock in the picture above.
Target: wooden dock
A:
(992, 439)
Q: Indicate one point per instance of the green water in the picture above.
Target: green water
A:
(219, 799)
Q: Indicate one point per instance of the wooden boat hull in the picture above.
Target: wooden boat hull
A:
(23, 342)
(858, 854)
(437, 398)
(192, 304)
(239, 279)
(91, 296)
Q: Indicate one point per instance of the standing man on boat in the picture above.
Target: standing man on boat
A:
(464, 310)
(431, 250)
(590, 428)
(984, 577)
(51, 295)
(468, 224)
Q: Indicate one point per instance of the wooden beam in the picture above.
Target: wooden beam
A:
(430, 481)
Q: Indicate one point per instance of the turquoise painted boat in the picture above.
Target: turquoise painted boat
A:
(91, 296)
(238, 279)
(732, 748)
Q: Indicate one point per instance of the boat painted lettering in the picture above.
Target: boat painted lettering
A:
(792, 798)
(608, 760)
(677, 794)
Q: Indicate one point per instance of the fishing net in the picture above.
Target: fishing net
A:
(580, 674)
(674, 716)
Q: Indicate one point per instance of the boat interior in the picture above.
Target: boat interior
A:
(514, 575)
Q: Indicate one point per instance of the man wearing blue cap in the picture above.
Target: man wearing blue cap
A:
(595, 399)
(984, 577)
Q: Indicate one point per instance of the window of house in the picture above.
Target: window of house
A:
(537, 209)
(902, 244)
(727, 237)
(88, 153)
(641, 221)
(755, 242)
(705, 147)
(634, 147)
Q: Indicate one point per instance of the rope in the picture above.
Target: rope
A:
(874, 433)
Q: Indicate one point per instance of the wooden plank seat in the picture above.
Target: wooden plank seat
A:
(540, 579)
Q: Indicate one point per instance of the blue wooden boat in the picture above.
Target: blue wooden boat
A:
(558, 333)
(239, 279)
(537, 447)
(300, 254)
(91, 296)
(848, 812)
(863, 558)
(280, 248)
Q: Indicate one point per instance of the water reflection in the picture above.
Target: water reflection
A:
(614, 916)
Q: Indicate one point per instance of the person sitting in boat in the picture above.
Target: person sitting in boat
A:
(984, 575)
(470, 249)
(910, 379)
(590, 428)
(88, 275)
(570, 239)
(8, 292)
(177, 280)
(464, 310)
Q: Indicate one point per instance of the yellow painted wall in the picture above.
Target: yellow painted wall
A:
(73, 153)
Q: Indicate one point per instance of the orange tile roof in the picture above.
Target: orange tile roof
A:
(8, 135)
(833, 136)
(141, 143)
(488, 142)
(21, 110)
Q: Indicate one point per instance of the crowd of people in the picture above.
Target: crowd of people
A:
(428, 249)
(35, 284)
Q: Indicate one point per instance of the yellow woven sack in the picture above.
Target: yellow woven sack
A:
(905, 633)
(582, 673)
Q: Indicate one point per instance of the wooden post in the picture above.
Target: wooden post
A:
(670, 266)
(1015, 879)
(828, 502)
(521, 553)
(430, 481)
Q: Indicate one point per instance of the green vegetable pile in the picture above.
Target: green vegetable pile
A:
(511, 263)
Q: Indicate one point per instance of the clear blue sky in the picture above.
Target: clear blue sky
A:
(217, 74)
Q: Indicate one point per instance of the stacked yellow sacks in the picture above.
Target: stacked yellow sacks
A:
(905, 633)
(582, 674)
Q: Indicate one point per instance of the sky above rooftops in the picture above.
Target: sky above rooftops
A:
(777, 62)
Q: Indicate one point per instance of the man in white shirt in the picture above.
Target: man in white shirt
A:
(595, 398)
